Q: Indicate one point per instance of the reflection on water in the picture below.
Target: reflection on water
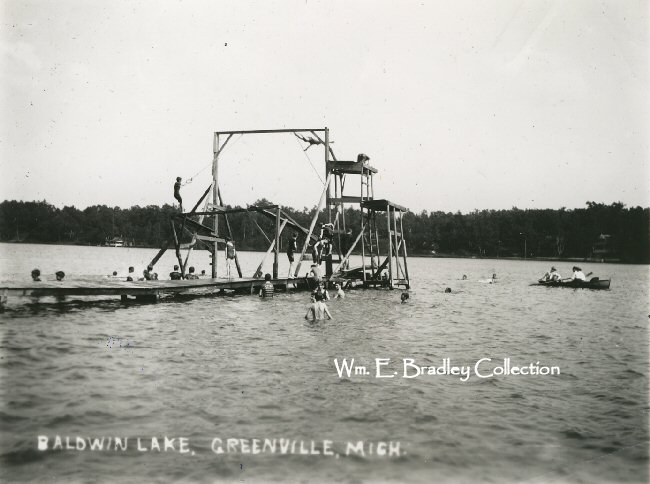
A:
(242, 367)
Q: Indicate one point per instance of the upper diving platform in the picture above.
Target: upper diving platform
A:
(350, 167)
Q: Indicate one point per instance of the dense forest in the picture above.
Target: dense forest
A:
(611, 232)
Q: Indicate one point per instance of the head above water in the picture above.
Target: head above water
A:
(448, 290)
(131, 269)
(114, 273)
(36, 273)
(404, 296)
(175, 267)
(59, 275)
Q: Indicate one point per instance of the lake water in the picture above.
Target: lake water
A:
(245, 368)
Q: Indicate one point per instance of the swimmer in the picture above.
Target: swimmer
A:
(404, 297)
(318, 310)
(59, 275)
(36, 275)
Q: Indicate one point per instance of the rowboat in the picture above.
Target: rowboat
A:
(593, 283)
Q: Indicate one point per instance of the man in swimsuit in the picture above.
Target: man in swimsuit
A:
(177, 192)
(318, 310)
(292, 247)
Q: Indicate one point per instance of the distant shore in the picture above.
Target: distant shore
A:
(422, 255)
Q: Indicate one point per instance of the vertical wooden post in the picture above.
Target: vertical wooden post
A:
(406, 269)
(327, 173)
(397, 264)
(363, 245)
(215, 199)
(277, 243)
(390, 249)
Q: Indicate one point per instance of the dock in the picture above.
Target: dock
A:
(144, 290)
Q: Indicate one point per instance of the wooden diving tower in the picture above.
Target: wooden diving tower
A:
(379, 235)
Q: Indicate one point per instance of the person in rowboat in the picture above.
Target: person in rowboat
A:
(578, 274)
(551, 276)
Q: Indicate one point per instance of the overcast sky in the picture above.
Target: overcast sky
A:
(460, 105)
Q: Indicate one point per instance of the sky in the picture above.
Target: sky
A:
(461, 105)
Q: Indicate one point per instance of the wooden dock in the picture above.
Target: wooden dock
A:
(143, 290)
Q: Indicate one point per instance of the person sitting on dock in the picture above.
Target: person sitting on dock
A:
(177, 192)
(292, 248)
(551, 276)
(131, 275)
(578, 274)
(267, 289)
(316, 251)
(318, 310)
(149, 274)
(175, 275)
(59, 275)
(191, 274)
(315, 274)
(36, 275)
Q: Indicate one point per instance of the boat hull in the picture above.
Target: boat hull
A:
(594, 283)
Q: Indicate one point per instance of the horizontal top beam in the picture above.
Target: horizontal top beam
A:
(220, 211)
(262, 131)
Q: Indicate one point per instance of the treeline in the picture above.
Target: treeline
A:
(610, 232)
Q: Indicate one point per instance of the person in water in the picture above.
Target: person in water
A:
(59, 275)
(578, 274)
(267, 289)
(320, 290)
(292, 248)
(177, 192)
(464, 277)
(551, 276)
(36, 275)
(317, 310)
(404, 297)
(339, 291)
(175, 275)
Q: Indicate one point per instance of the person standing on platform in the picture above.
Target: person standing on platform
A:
(177, 192)
(230, 255)
(292, 248)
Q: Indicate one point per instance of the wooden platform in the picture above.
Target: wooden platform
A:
(147, 289)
